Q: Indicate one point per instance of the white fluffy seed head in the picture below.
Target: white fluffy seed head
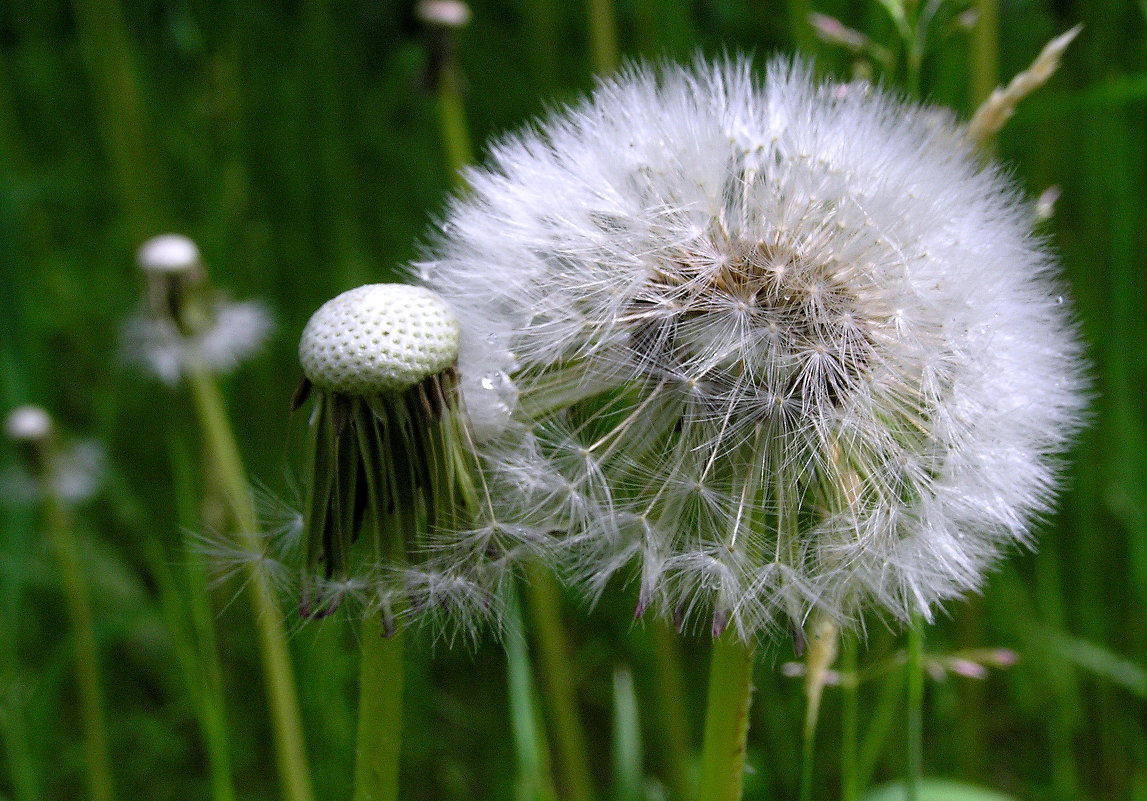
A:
(28, 424)
(776, 346)
(379, 338)
(169, 253)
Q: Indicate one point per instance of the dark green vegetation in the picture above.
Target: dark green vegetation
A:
(293, 142)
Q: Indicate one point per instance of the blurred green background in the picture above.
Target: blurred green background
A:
(294, 142)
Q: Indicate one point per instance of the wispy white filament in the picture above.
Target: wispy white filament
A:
(760, 346)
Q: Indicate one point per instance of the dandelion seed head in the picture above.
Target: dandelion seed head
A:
(798, 346)
(379, 338)
(169, 253)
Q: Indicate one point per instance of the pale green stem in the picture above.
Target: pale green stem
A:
(202, 658)
(558, 683)
(915, 727)
(379, 714)
(534, 780)
(603, 36)
(286, 721)
(78, 597)
(984, 55)
(849, 722)
(726, 719)
(452, 119)
(674, 734)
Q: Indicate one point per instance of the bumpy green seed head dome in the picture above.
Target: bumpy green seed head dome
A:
(379, 338)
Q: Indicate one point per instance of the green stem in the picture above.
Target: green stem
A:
(915, 727)
(286, 721)
(534, 781)
(201, 655)
(671, 709)
(726, 719)
(603, 36)
(984, 56)
(821, 654)
(379, 714)
(558, 683)
(452, 119)
(78, 598)
(849, 722)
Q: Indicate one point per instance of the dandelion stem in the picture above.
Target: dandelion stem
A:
(726, 718)
(671, 709)
(286, 721)
(201, 655)
(78, 598)
(452, 119)
(849, 722)
(984, 69)
(534, 781)
(379, 714)
(603, 36)
(558, 682)
(915, 727)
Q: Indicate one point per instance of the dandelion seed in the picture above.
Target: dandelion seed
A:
(185, 321)
(760, 348)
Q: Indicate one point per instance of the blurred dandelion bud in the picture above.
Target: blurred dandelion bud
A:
(391, 469)
(185, 320)
(443, 13)
(773, 347)
(44, 468)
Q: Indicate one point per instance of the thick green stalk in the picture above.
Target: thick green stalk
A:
(915, 728)
(286, 721)
(379, 714)
(534, 780)
(78, 598)
(558, 684)
(726, 719)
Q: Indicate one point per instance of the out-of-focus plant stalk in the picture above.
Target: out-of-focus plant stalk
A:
(603, 36)
(984, 56)
(670, 707)
(282, 698)
(914, 747)
(78, 598)
(558, 681)
(849, 721)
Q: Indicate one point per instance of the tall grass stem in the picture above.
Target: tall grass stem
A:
(914, 747)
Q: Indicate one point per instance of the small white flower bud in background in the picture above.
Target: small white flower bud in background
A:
(28, 424)
(443, 13)
(72, 474)
(169, 253)
(185, 321)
